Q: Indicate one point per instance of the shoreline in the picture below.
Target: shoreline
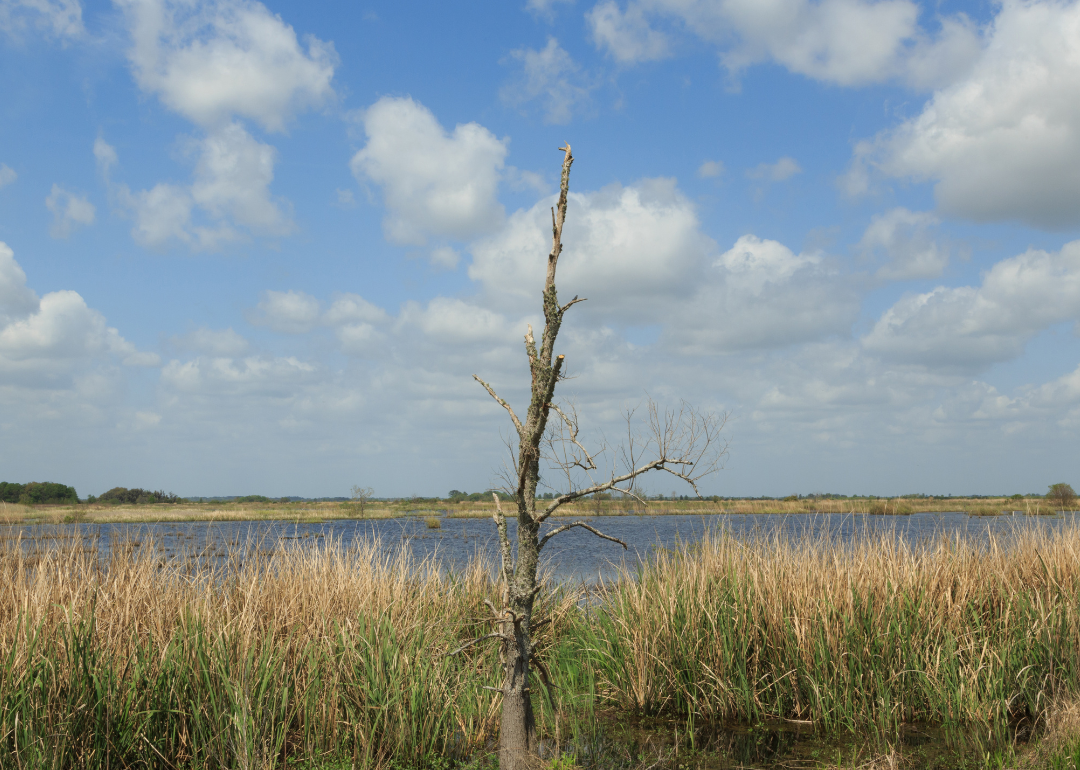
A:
(316, 512)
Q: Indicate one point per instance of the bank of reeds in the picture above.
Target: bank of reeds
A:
(878, 632)
(337, 657)
(320, 654)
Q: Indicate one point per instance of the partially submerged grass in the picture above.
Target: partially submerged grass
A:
(320, 654)
(879, 632)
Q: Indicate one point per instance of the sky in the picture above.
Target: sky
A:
(261, 248)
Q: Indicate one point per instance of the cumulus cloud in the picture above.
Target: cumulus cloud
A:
(551, 76)
(760, 294)
(355, 321)
(434, 182)
(229, 197)
(848, 42)
(632, 248)
(47, 342)
(214, 60)
(69, 211)
(968, 328)
(232, 181)
(58, 18)
(289, 312)
(908, 244)
(7, 175)
(264, 376)
(1002, 143)
(626, 36)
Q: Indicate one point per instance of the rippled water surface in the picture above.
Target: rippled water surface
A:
(576, 555)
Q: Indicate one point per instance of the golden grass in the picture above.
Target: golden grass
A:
(882, 631)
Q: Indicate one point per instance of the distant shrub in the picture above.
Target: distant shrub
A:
(880, 507)
(9, 492)
(1061, 496)
(136, 496)
(433, 522)
(253, 499)
(37, 492)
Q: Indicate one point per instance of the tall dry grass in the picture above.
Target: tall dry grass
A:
(877, 632)
(334, 656)
(309, 653)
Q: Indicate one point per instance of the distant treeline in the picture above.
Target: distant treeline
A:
(119, 495)
(37, 492)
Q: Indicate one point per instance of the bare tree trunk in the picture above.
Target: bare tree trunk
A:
(682, 443)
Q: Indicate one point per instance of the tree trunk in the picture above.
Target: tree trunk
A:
(517, 731)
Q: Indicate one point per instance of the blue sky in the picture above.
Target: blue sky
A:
(262, 247)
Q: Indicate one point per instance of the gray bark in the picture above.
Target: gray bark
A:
(683, 444)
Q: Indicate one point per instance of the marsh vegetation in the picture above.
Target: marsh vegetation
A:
(336, 657)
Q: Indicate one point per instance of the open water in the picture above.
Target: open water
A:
(575, 555)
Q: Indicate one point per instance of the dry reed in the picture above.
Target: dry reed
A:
(880, 631)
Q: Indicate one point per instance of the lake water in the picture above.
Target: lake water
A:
(576, 555)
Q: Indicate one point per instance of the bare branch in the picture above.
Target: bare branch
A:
(571, 303)
(504, 543)
(583, 525)
(477, 640)
(558, 217)
(506, 406)
(572, 426)
(605, 486)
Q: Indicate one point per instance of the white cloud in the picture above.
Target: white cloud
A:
(232, 181)
(434, 183)
(230, 195)
(552, 76)
(69, 211)
(626, 35)
(105, 155)
(969, 328)
(345, 198)
(7, 175)
(213, 60)
(455, 322)
(60, 18)
(47, 342)
(631, 248)
(781, 170)
(760, 294)
(907, 241)
(212, 342)
(241, 377)
(350, 308)
(848, 42)
(445, 258)
(161, 214)
(17, 300)
(711, 169)
(1002, 143)
(289, 312)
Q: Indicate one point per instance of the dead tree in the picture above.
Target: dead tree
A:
(682, 442)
